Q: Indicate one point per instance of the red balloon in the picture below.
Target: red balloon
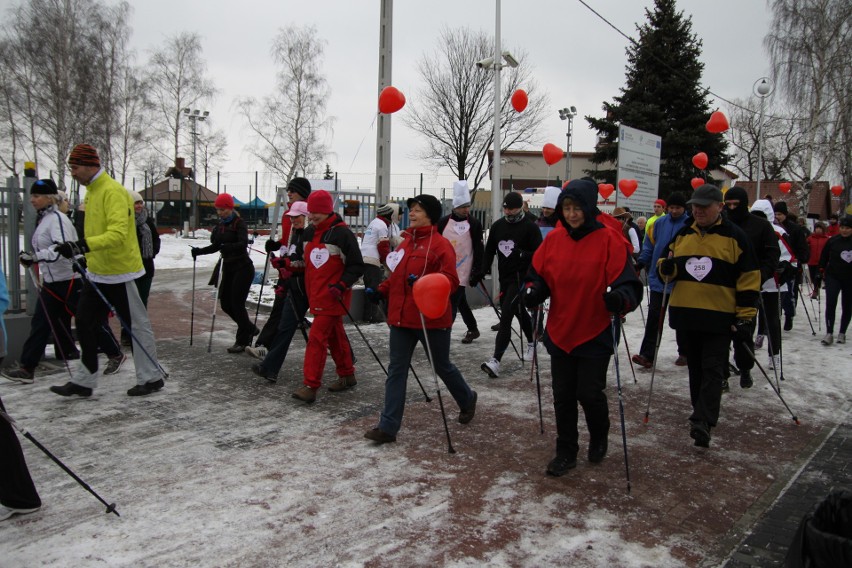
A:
(520, 100)
(785, 186)
(552, 153)
(627, 186)
(605, 189)
(836, 190)
(699, 160)
(718, 123)
(391, 100)
(432, 294)
(696, 182)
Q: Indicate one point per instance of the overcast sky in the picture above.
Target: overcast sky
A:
(576, 57)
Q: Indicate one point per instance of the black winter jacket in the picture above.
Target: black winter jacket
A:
(514, 244)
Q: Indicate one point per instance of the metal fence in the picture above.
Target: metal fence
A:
(15, 226)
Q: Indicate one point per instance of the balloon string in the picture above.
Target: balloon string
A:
(362, 141)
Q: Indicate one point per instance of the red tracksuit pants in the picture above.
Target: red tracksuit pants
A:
(327, 332)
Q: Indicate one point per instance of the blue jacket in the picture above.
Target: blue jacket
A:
(656, 240)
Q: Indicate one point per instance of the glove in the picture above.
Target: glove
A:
(80, 264)
(373, 295)
(412, 278)
(272, 246)
(533, 295)
(194, 251)
(614, 302)
(667, 267)
(742, 330)
(70, 249)
(785, 271)
(336, 291)
(476, 278)
(26, 259)
(280, 291)
(639, 267)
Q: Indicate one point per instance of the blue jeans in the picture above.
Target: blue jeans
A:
(403, 340)
(293, 310)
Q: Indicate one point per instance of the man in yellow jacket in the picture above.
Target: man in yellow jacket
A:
(114, 262)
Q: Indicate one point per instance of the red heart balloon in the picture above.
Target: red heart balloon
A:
(785, 186)
(391, 100)
(699, 160)
(718, 123)
(836, 190)
(605, 189)
(520, 100)
(432, 294)
(552, 153)
(627, 186)
(696, 182)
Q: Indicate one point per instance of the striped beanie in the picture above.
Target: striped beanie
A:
(84, 155)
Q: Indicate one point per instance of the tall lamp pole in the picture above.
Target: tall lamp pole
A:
(568, 113)
(194, 117)
(762, 88)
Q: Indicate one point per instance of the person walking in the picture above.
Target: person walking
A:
(230, 239)
(549, 216)
(333, 264)
(836, 264)
(660, 209)
(816, 242)
(716, 296)
(464, 232)
(112, 253)
(423, 251)
(797, 243)
(584, 268)
(516, 239)
(380, 237)
(149, 247)
(630, 233)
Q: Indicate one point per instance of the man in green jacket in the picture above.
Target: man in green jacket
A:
(114, 262)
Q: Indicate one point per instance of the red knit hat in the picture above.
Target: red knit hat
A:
(84, 155)
(320, 201)
(661, 203)
(224, 201)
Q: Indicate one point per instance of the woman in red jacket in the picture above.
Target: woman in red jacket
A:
(423, 251)
(816, 242)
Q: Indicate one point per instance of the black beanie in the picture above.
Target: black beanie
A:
(513, 200)
(846, 221)
(301, 186)
(780, 207)
(676, 198)
(430, 205)
(44, 187)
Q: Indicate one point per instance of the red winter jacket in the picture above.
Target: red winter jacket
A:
(816, 243)
(332, 256)
(423, 251)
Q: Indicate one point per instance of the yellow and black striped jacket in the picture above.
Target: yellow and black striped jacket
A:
(717, 275)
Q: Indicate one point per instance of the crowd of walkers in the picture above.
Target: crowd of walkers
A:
(724, 271)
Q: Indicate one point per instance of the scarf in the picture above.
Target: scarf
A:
(143, 231)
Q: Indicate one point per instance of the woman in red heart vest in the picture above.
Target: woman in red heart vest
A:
(333, 263)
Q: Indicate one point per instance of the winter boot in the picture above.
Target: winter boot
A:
(829, 339)
(305, 394)
(147, 388)
(491, 367)
(20, 375)
(758, 341)
(343, 383)
(467, 414)
(560, 465)
(236, 348)
(470, 336)
(680, 361)
(495, 327)
(69, 389)
(597, 450)
(841, 338)
(379, 436)
(788, 323)
(643, 362)
(700, 432)
(725, 386)
(258, 370)
(746, 381)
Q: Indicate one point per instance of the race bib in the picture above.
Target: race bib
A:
(393, 259)
(463, 227)
(319, 256)
(698, 268)
(846, 255)
(506, 247)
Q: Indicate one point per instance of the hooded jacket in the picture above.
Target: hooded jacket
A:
(770, 283)
(332, 256)
(759, 230)
(816, 242)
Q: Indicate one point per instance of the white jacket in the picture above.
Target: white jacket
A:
(54, 227)
(765, 207)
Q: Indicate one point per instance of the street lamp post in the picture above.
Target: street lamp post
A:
(194, 117)
(762, 88)
(568, 113)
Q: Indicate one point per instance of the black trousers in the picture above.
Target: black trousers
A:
(270, 328)
(460, 306)
(769, 321)
(233, 291)
(510, 308)
(579, 380)
(373, 276)
(652, 327)
(17, 490)
(707, 361)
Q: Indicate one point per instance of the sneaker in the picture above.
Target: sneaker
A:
(114, 364)
(746, 381)
(700, 432)
(758, 341)
(529, 354)
(147, 388)
(236, 348)
(642, 361)
(258, 370)
(491, 367)
(305, 394)
(725, 386)
(467, 414)
(775, 362)
(20, 375)
(597, 450)
(470, 336)
(495, 327)
(343, 383)
(379, 436)
(841, 338)
(257, 352)
(680, 361)
(6, 512)
(829, 339)
(788, 323)
(560, 465)
(69, 389)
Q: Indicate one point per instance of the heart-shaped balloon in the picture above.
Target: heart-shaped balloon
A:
(699, 160)
(696, 182)
(552, 153)
(627, 186)
(785, 186)
(391, 100)
(836, 190)
(520, 100)
(432, 294)
(718, 123)
(605, 189)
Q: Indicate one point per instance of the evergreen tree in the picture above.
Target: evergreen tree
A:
(328, 174)
(663, 96)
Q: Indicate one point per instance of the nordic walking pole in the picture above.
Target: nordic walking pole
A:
(192, 310)
(450, 448)
(535, 368)
(663, 308)
(221, 265)
(620, 398)
(777, 391)
(807, 313)
(629, 356)
(410, 366)
(484, 292)
(57, 343)
(110, 507)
